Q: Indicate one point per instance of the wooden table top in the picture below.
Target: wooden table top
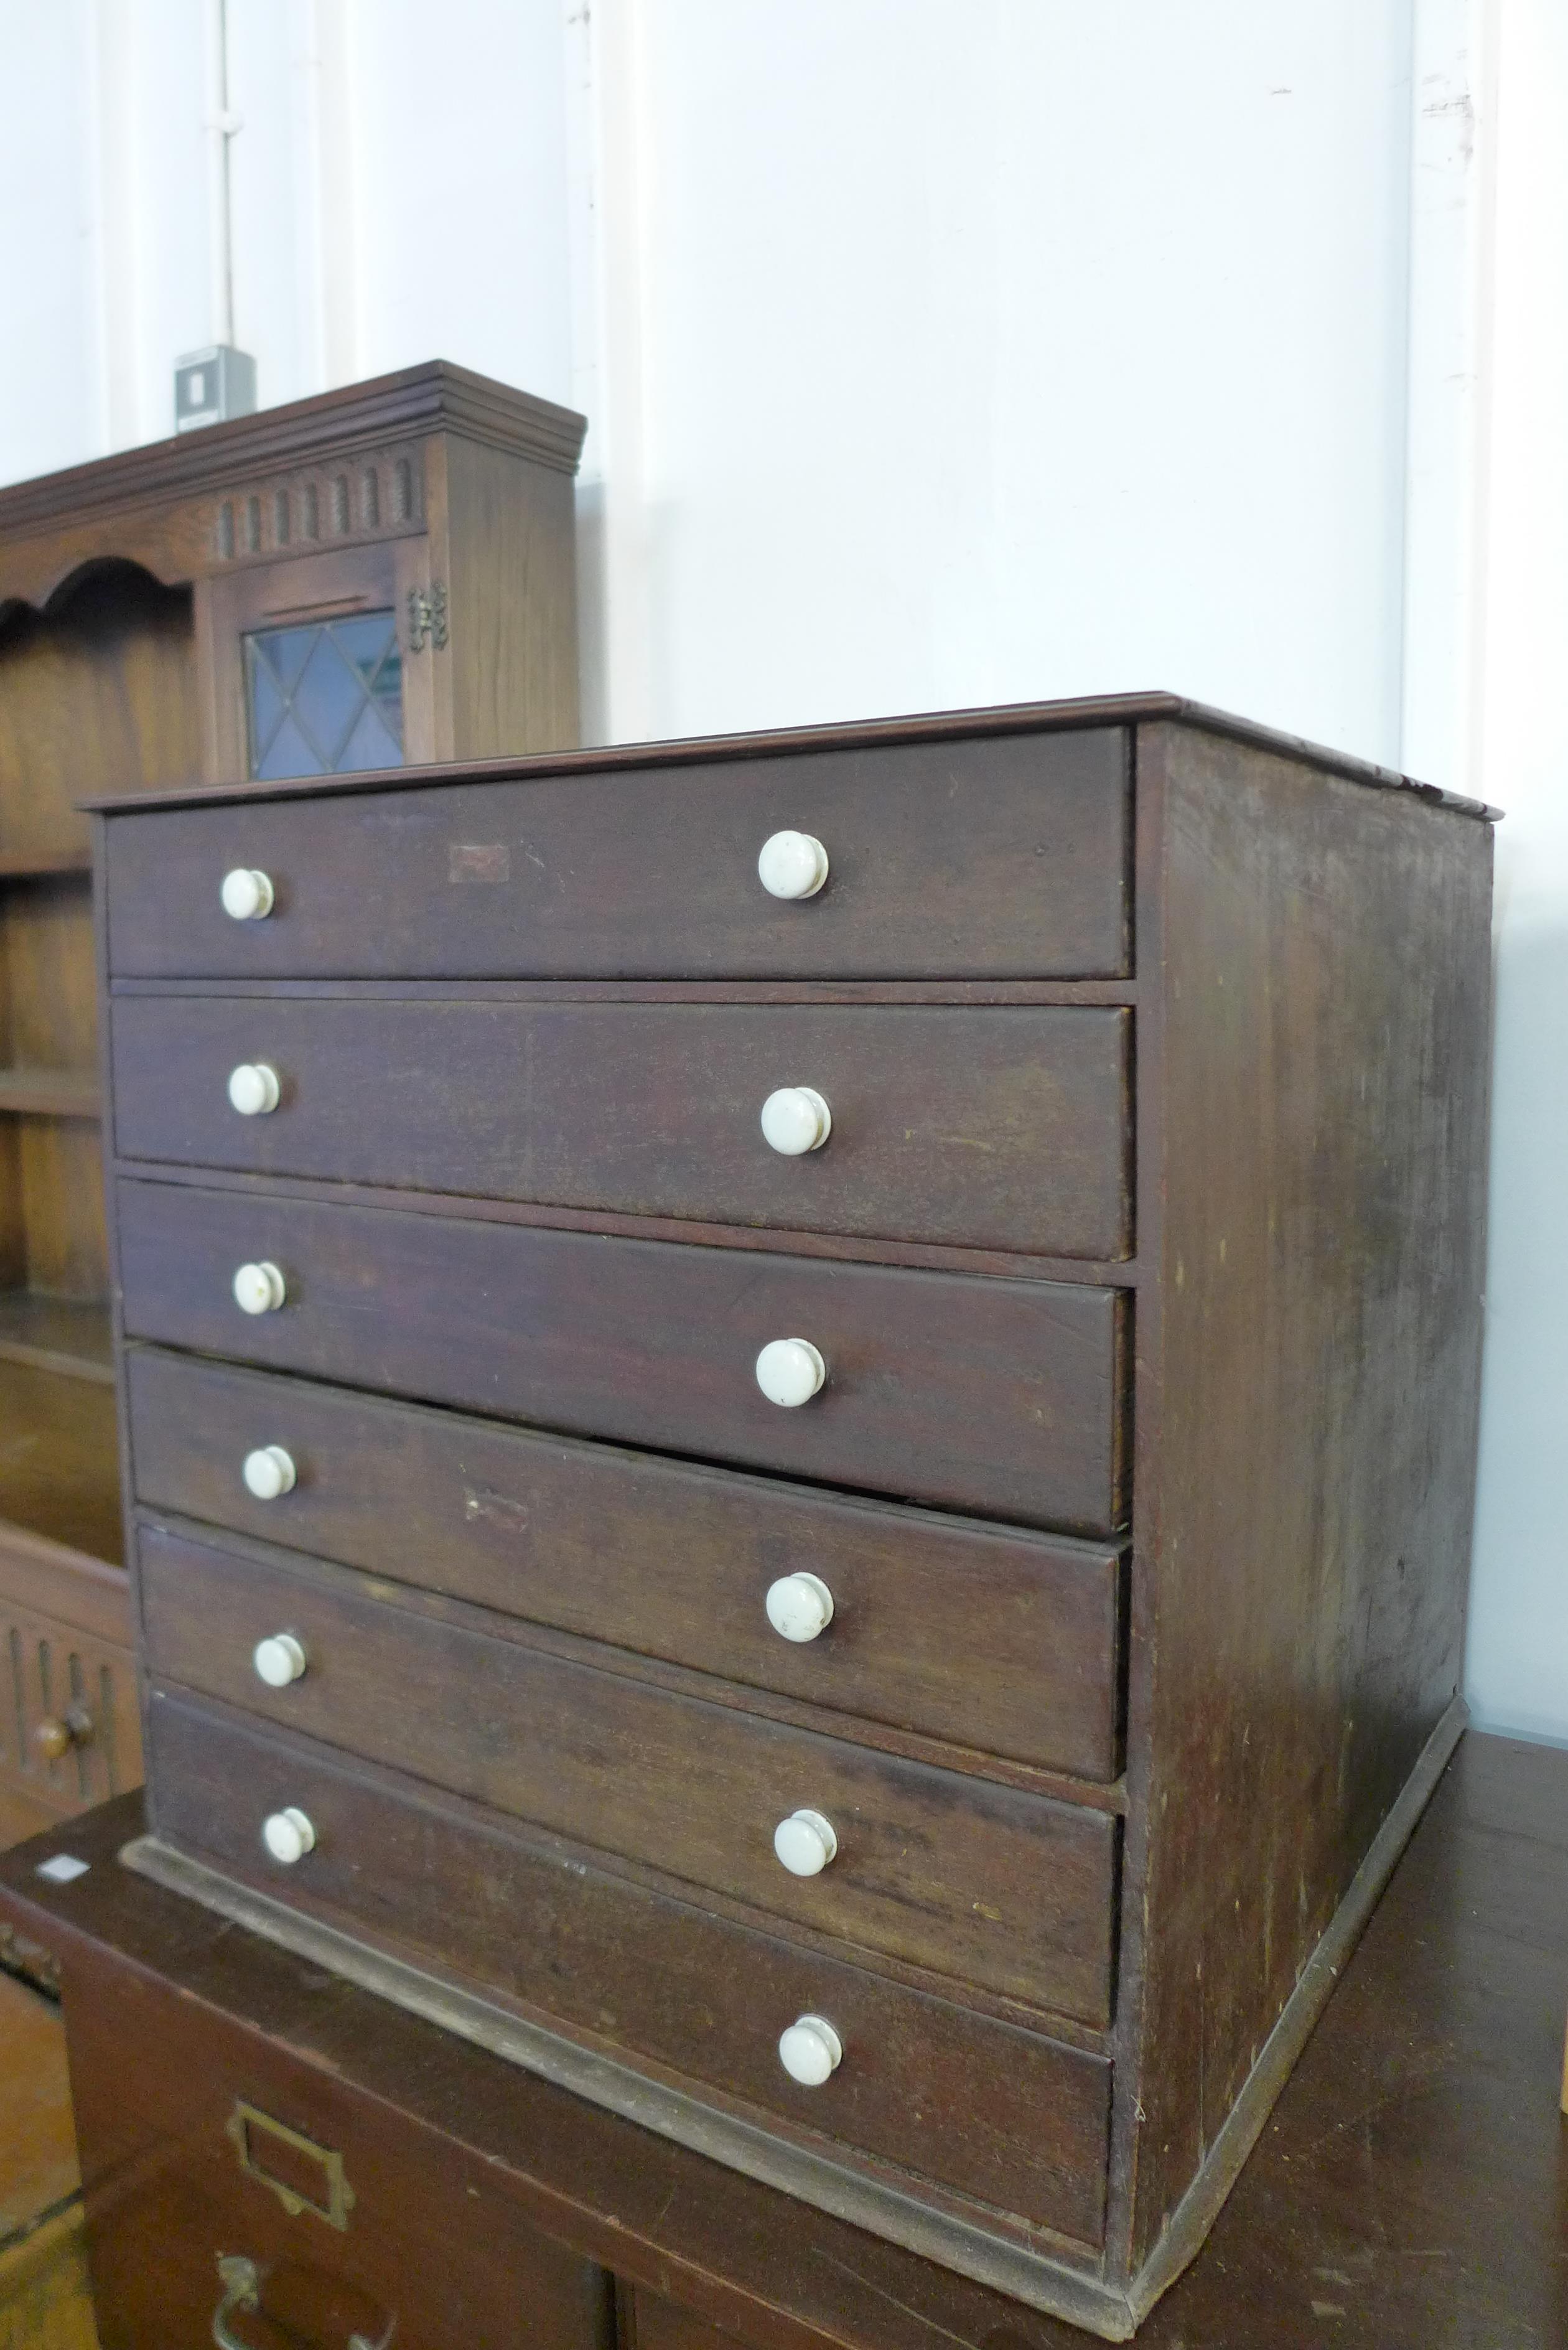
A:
(1410, 2191)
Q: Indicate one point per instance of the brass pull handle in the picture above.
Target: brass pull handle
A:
(58, 1733)
(242, 2290)
(241, 2281)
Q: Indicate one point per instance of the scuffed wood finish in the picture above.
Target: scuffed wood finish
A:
(1291, 1353)
(435, 2252)
(995, 856)
(993, 1127)
(970, 1879)
(957, 1629)
(1407, 2192)
(1008, 2116)
(1033, 717)
(1326, 1024)
(1002, 1397)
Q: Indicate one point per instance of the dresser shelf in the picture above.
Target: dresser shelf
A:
(44, 864)
(64, 1335)
(58, 1477)
(50, 1093)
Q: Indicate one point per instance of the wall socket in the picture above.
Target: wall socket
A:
(213, 385)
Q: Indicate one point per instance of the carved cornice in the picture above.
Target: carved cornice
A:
(434, 398)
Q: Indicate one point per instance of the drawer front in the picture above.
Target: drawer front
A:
(1006, 2115)
(986, 1637)
(192, 2128)
(997, 856)
(1003, 1397)
(993, 1127)
(961, 1876)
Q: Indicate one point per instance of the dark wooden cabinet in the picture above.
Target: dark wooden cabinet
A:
(384, 576)
(890, 1641)
(236, 2193)
(1407, 2190)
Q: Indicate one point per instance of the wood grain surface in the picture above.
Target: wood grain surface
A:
(1406, 2192)
(973, 1880)
(1321, 1153)
(1010, 2116)
(997, 857)
(998, 1397)
(59, 1471)
(995, 1127)
(101, 687)
(54, 1676)
(996, 1640)
(434, 2252)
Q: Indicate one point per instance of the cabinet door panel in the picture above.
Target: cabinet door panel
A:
(312, 669)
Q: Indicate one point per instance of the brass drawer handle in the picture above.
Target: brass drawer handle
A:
(241, 2290)
(58, 1733)
(241, 2282)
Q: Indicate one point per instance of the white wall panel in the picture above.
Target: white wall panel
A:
(460, 171)
(1518, 1668)
(51, 394)
(1017, 348)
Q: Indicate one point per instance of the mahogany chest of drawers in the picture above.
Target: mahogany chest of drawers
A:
(799, 1424)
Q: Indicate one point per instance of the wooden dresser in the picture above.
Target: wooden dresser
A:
(384, 573)
(799, 1424)
(1406, 2193)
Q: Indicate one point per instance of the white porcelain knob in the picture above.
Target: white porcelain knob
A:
(278, 1660)
(794, 1120)
(288, 1836)
(792, 865)
(811, 2050)
(789, 1370)
(268, 1473)
(800, 1607)
(258, 1288)
(805, 1843)
(254, 1089)
(246, 894)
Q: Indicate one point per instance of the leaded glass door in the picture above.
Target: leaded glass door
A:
(313, 669)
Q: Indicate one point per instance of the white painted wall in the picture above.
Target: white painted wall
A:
(935, 351)
(50, 340)
(1518, 1669)
(1003, 350)
(399, 192)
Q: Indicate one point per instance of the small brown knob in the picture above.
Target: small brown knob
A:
(58, 1733)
